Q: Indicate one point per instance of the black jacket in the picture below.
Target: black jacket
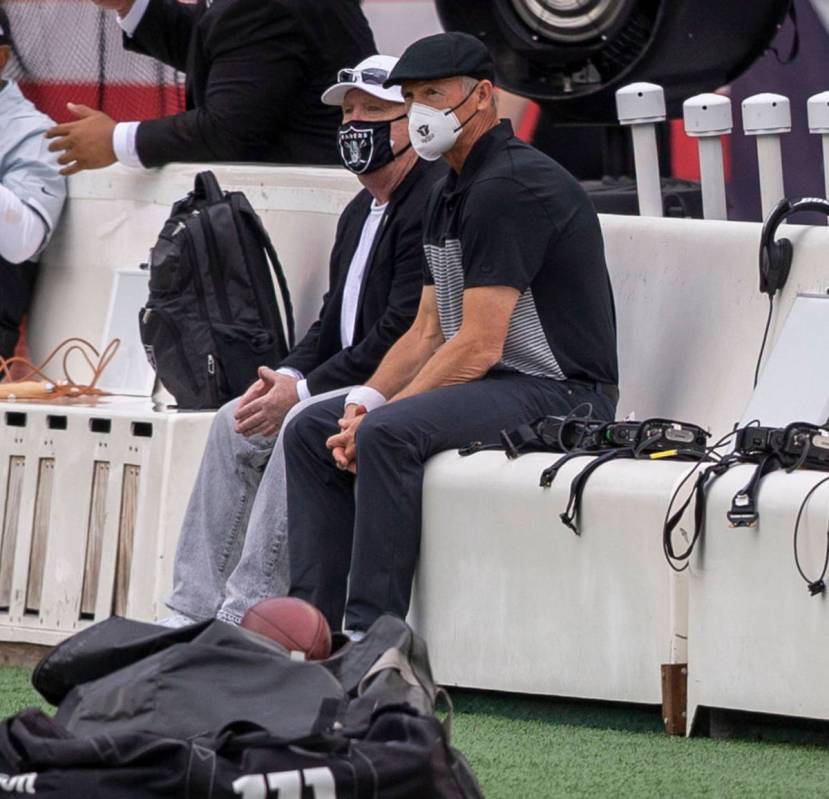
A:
(390, 292)
(255, 73)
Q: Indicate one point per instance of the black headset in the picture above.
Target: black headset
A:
(776, 256)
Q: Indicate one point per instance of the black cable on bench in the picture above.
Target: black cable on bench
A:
(818, 586)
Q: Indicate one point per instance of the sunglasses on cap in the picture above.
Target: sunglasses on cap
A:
(373, 76)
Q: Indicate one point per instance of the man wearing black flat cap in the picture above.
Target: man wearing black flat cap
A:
(516, 321)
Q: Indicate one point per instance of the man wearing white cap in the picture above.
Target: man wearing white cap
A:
(233, 549)
(32, 194)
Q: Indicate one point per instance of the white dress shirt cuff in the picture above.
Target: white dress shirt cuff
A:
(130, 22)
(22, 230)
(124, 146)
(302, 390)
(370, 398)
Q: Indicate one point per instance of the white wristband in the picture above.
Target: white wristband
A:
(302, 390)
(370, 398)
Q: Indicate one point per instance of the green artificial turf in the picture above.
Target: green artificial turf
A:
(533, 748)
(537, 747)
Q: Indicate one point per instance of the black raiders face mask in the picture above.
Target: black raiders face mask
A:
(365, 147)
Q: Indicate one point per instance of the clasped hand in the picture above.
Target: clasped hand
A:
(343, 445)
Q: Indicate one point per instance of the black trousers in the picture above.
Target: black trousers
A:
(17, 282)
(365, 546)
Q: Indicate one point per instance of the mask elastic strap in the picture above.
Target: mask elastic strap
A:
(398, 154)
(452, 110)
(408, 146)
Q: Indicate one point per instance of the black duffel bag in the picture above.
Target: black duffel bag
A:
(213, 711)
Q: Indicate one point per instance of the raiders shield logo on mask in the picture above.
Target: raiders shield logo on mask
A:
(357, 148)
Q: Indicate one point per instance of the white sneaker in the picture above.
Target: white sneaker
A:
(355, 636)
(176, 620)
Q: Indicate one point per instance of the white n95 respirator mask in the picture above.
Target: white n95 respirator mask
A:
(434, 131)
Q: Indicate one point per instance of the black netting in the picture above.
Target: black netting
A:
(70, 51)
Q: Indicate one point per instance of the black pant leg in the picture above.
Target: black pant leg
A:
(393, 445)
(320, 511)
(17, 282)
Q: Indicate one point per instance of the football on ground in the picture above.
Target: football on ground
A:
(294, 623)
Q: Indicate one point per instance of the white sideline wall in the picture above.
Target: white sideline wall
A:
(690, 314)
(114, 216)
(757, 639)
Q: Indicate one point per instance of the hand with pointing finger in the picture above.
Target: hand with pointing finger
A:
(85, 144)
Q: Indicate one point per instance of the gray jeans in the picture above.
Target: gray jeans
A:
(233, 548)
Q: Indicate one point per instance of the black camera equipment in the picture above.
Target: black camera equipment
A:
(752, 443)
(799, 445)
(572, 56)
(652, 438)
(545, 434)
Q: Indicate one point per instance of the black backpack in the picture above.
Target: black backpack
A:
(212, 317)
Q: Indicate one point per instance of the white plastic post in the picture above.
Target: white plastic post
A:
(707, 117)
(641, 106)
(768, 116)
(818, 109)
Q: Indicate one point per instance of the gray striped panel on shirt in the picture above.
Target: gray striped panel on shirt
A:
(526, 348)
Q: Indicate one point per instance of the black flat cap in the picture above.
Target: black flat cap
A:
(444, 55)
(5, 29)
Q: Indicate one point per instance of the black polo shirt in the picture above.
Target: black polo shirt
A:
(514, 217)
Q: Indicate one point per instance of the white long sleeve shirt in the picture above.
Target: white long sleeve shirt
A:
(351, 292)
(32, 190)
(22, 231)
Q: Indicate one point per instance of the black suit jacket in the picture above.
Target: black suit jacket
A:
(390, 292)
(255, 73)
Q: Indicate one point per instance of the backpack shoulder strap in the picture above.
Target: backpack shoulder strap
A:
(276, 266)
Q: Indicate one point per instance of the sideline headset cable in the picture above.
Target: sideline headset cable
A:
(818, 586)
(699, 493)
(765, 340)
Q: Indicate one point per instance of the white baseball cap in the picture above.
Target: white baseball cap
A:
(369, 76)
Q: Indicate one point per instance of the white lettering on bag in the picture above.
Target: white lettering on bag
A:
(287, 784)
(19, 783)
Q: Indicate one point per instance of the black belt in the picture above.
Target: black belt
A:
(609, 391)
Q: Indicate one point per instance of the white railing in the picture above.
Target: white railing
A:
(707, 117)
